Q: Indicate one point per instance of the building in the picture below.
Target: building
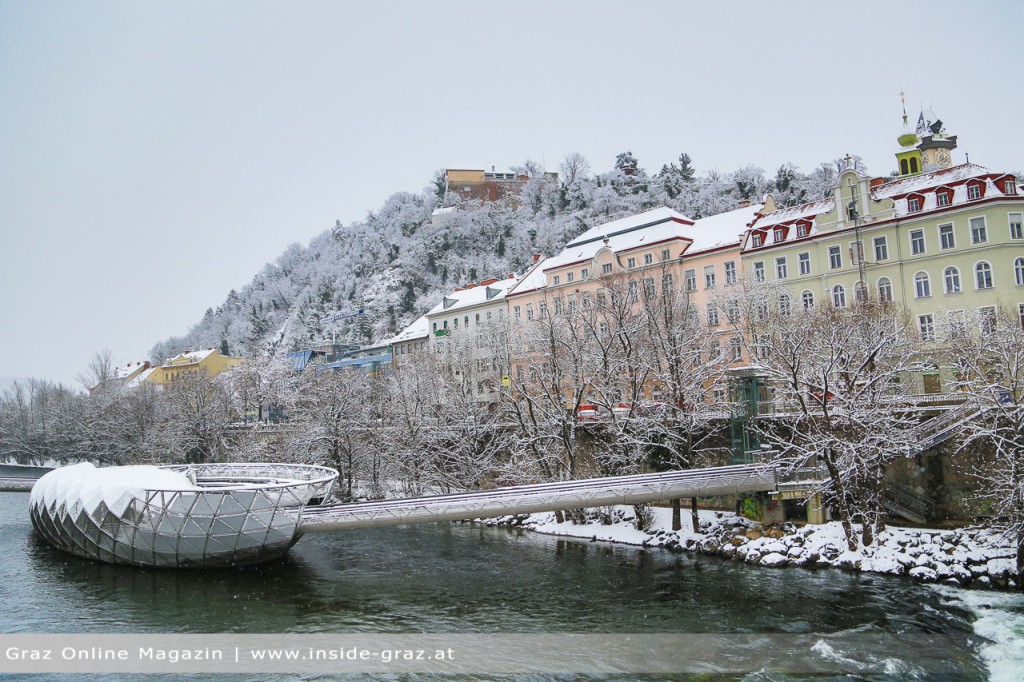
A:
(947, 244)
(481, 185)
(209, 361)
(125, 375)
(641, 255)
(413, 338)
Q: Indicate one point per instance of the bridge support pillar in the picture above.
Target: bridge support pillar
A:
(816, 512)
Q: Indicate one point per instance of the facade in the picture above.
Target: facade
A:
(642, 255)
(209, 361)
(413, 338)
(481, 185)
(946, 244)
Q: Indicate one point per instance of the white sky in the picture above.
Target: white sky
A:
(154, 155)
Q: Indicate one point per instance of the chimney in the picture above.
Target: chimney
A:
(536, 257)
(492, 169)
(511, 275)
(875, 182)
(744, 203)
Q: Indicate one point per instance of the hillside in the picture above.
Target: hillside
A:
(397, 263)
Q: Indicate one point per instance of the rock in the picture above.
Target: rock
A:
(794, 540)
(753, 533)
(848, 563)
(1000, 569)
(830, 552)
(923, 573)
(905, 560)
(752, 557)
(984, 581)
(727, 551)
(709, 546)
(740, 540)
(774, 546)
(774, 559)
(923, 560)
(942, 571)
(961, 573)
(795, 552)
(774, 532)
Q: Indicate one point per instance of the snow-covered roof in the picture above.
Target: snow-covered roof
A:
(417, 330)
(444, 211)
(792, 213)
(474, 295)
(129, 369)
(722, 229)
(629, 224)
(190, 357)
(532, 279)
(924, 181)
(141, 377)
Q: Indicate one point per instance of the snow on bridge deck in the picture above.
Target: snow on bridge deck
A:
(596, 492)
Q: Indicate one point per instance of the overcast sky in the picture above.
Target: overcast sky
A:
(155, 155)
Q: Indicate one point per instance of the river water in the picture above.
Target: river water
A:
(463, 578)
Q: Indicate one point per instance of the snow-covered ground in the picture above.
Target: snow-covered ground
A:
(951, 559)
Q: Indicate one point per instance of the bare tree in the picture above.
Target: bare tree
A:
(990, 367)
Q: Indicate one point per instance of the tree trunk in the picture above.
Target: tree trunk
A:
(677, 522)
(559, 516)
(693, 515)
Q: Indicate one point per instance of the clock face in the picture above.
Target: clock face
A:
(943, 158)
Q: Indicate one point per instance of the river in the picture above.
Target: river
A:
(463, 578)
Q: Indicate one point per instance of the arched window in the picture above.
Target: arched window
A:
(1018, 271)
(922, 285)
(951, 277)
(839, 296)
(983, 275)
(904, 168)
(807, 300)
(913, 164)
(884, 290)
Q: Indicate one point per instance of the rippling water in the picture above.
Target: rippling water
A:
(447, 578)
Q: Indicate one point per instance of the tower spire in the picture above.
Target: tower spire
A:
(903, 101)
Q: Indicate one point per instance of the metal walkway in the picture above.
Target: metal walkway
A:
(527, 499)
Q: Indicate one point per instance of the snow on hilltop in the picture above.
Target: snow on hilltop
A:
(398, 262)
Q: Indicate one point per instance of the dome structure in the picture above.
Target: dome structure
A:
(176, 516)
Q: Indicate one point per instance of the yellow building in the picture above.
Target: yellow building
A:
(209, 361)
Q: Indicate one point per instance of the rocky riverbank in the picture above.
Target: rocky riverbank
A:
(971, 556)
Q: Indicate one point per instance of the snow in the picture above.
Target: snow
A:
(924, 181)
(85, 486)
(476, 295)
(417, 330)
(141, 377)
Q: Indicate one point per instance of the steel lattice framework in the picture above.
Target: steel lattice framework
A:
(236, 514)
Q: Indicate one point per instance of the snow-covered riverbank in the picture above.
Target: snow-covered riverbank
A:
(975, 557)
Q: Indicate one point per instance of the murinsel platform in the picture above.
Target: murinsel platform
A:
(206, 515)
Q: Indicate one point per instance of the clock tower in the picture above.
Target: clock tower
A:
(936, 144)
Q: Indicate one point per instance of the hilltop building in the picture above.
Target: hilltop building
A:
(209, 361)
(481, 185)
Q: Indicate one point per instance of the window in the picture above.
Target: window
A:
(1016, 229)
(761, 310)
(974, 191)
(649, 291)
(926, 325)
(691, 280)
(517, 313)
(956, 322)
(947, 240)
(584, 273)
(784, 304)
(666, 254)
(648, 258)
(585, 298)
(756, 239)
(712, 315)
(914, 204)
(477, 319)
(571, 301)
(987, 319)
(922, 285)
(781, 268)
(835, 257)
(602, 298)
(736, 347)
(759, 271)
(839, 296)
(732, 311)
(709, 277)
(606, 268)
(1018, 271)
(631, 262)
(979, 234)
(1010, 187)
(780, 235)
(917, 242)
(884, 290)
(633, 292)
(804, 261)
(951, 279)
(557, 279)
(807, 300)
(1020, 313)
(881, 248)
(983, 275)
(730, 272)
(456, 323)
(667, 283)
(569, 276)
(801, 230)
(602, 327)
(543, 309)
(942, 198)
(559, 306)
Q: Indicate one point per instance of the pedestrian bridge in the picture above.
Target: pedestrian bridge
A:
(526, 499)
(235, 514)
